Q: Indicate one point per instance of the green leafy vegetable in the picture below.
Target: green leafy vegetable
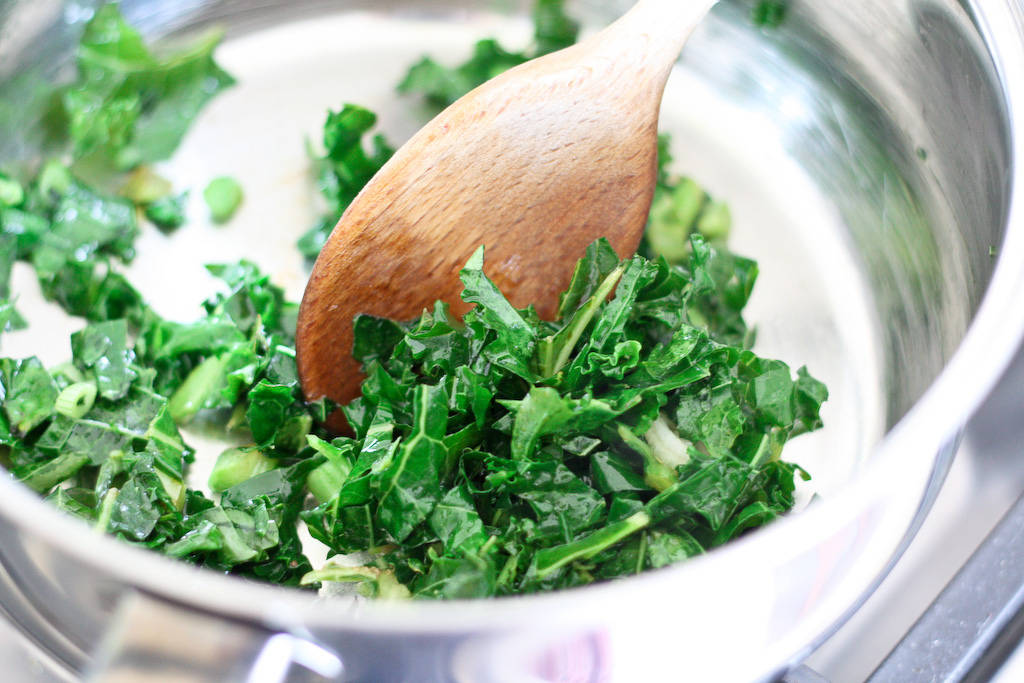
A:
(345, 168)
(10, 319)
(770, 13)
(132, 104)
(553, 29)
(506, 454)
(11, 191)
(103, 423)
(144, 186)
(490, 455)
(223, 195)
(74, 236)
(29, 394)
(168, 213)
(440, 86)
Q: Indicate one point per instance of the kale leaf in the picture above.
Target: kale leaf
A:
(490, 455)
(504, 454)
(131, 103)
(75, 237)
(344, 169)
(168, 213)
(100, 436)
(440, 86)
(770, 13)
(10, 319)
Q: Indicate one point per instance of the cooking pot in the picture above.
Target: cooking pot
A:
(871, 154)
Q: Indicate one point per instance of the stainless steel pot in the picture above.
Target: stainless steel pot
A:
(872, 151)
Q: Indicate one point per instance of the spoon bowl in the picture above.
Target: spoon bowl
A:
(535, 165)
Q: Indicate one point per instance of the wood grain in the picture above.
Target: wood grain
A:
(535, 164)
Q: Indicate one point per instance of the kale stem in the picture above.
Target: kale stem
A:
(197, 387)
(106, 510)
(51, 473)
(641, 553)
(552, 559)
(583, 318)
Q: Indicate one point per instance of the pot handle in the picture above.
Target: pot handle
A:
(153, 639)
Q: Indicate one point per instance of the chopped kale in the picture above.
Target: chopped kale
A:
(345, 168)
(8, 254)
(106, 423)
(440, 86)
(770, 13)
(10, 319)
(490, 455)
(168, 213)
(223, 195)
(74, 236)
(553, 29)
(502, 454)
(132, 104)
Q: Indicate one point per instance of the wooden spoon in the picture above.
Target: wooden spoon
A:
(535, 164)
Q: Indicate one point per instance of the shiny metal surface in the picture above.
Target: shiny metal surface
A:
(897, 124)
(146, 643)
(983, 485)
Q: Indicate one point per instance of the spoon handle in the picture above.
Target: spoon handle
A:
(649, 37)
(671, 20)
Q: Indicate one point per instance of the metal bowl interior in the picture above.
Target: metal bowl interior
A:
(869, 153)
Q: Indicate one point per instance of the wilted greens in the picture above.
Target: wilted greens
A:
(131, 103)
(502, 453)
(100, 434)
(492, 454)
(440, 85)
(770, 13)
(344, 169)
(223, 196)
(75, 237)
